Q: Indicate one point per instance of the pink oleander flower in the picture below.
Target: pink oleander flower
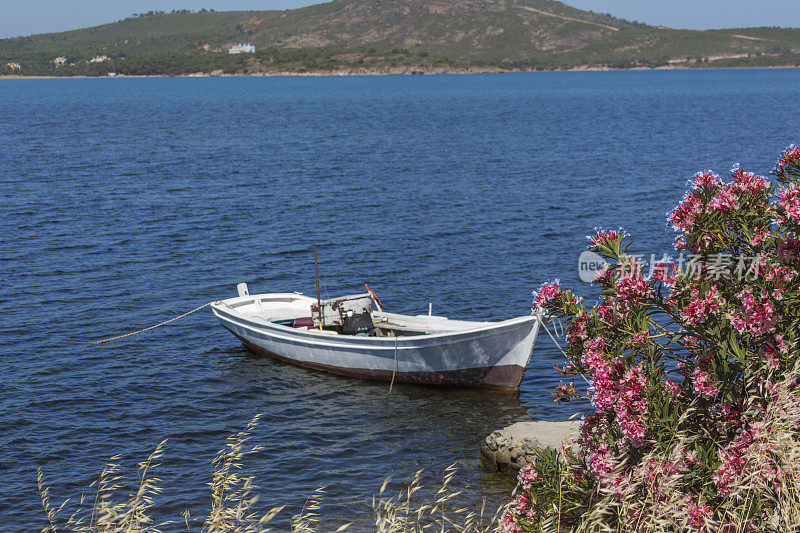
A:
(523, 503)
(748, 182)
(713, 430)
(790, 202)
(789, 158)
(726, 201)
(593, 355)
(604, 238)
(781, 344)
(632, 289)
(605, 384)
(577, 331)
(750, 457)
(686, 212)
(604, 277)
(631, 405)
(699, 515)
(673, 388)
(665, 273)
(546, 294)
(641, 339)
(565, 392)
(759, 237)
(704, 384)
(527, 476)
(757, 315)
(608, 312)
(703, 305)
(602, 463)
(704, 180)
(509, 524)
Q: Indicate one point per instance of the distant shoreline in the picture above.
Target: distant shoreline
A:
(399, 72)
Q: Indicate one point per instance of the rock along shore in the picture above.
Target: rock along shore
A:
(509, 449)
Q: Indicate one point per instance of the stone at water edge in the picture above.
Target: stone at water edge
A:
(509, 449)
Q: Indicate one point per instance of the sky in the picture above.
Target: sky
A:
(27, 17)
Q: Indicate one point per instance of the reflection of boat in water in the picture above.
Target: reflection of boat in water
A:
(348, 337)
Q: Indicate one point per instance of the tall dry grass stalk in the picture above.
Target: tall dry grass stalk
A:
(234, 499)
(658, 504)
(403, 514)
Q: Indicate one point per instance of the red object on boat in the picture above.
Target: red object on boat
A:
(374, 297)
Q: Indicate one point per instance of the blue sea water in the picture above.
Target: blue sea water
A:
(126, 202)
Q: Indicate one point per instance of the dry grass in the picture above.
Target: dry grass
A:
(650, 509)
(234, 499)
(662, 507)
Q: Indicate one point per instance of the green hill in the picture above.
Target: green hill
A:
(390, 36)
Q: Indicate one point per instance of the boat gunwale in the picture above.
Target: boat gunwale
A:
(376, 342)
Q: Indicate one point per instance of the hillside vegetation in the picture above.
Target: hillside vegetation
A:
(390, 36)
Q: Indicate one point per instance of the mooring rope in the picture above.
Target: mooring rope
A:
(395, 365)
(153, 327)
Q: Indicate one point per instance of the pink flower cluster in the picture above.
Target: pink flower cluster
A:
(632, 290)
(509, 524)
(546, 294)
(759, 237)
(779, 276)
(604, 238)
(704, 180)
(729, 197)
(749, 456)
(683, 217)
(565, 392)
(790, 202)
(608, 312)
(527, 476)
(618, 393)
(602, 463)
(640, 340)
(702, 305)
(726, 200)
(789, 158)
(673, 388)
(525, 507)
(665, 272)
(593, 355)
(704, 384)
(632, 405)
(577, 332)
(748, 182)
(757, 316)
(699, 515)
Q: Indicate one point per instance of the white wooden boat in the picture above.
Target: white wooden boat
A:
(351, 338)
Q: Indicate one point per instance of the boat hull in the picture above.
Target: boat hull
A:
(492, 357)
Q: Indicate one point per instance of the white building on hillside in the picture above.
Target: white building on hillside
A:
(242, 48)
(99, 59)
